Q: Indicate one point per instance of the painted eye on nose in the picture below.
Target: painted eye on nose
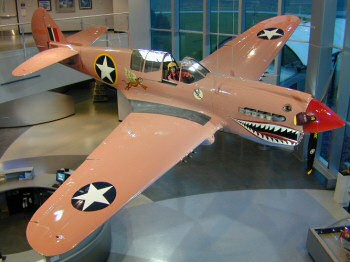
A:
(303, 118)
(287, 108)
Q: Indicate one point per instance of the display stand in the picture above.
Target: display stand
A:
(100, 94)
(342, 194)
(95, 247)
(35, 109)
(327, 244)
(124, 107)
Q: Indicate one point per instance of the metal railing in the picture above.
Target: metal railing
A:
(17, 36)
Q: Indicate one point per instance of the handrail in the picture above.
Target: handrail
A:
(16, 24)
(87, 16)
(83, 20)
(68, 18)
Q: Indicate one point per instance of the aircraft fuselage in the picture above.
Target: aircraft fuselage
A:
(258, 111)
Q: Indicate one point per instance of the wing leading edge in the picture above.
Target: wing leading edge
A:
(140, 150)
(88, 36)
(43, 59)
(249, 54)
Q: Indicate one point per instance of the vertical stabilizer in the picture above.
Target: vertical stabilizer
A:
(45, 30)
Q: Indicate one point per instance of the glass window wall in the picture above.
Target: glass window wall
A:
(345, 153)
(161, 40)
(217, 41)
(345, 156)
(191, 45)
(341, 8)
(224, 16)
(295, 52)
(161, 19)
(259, 10)
(191, 19)
(161, 14)
(299, 8)
(331, 103)
(191, 15)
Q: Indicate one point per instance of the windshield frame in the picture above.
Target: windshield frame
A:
(192, 66)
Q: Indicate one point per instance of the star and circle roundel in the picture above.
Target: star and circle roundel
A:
(94, 197)
(106, 68)
(270, 33)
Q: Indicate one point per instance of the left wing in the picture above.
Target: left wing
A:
(249, 54)
(140, 150)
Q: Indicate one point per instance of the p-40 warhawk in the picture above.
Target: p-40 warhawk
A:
(176, 107)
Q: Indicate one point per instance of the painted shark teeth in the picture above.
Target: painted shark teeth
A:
(288, 136)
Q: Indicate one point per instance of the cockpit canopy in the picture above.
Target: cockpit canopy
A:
(147, 61)
(193, 67)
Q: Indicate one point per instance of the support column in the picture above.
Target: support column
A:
(278, 58)
(140, 24)
(120, 21)
(320, 51)
(343, 97)
(175, 27)
(319, 65)
(241, 16)
(206, 28)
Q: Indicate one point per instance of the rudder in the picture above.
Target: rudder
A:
(45, 30)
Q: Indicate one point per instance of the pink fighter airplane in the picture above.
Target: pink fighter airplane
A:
(170, 118)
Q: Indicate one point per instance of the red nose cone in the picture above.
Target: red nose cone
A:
(326, 119)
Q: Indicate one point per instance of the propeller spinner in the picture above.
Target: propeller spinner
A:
(317, 118)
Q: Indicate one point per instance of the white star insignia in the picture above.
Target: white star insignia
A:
(106, 70)
(270, 34)
(94, 195)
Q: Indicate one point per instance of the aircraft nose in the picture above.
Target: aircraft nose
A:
(326, 119)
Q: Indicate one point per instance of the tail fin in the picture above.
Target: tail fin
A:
(45, 30)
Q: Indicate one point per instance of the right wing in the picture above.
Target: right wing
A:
(249, 54)
(43, 59)
(88, 36)
(140, 150)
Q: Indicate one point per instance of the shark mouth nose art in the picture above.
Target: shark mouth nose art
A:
(272, 133)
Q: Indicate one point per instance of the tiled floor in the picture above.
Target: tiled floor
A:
(232, 165)
(14, 42)
(244, 225)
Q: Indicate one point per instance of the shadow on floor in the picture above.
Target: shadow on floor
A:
(12, 237)
(232, 163)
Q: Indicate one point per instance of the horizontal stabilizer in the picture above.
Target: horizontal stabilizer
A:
(42, 60)
(88, 36)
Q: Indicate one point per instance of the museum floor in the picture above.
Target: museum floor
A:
(231, 201)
